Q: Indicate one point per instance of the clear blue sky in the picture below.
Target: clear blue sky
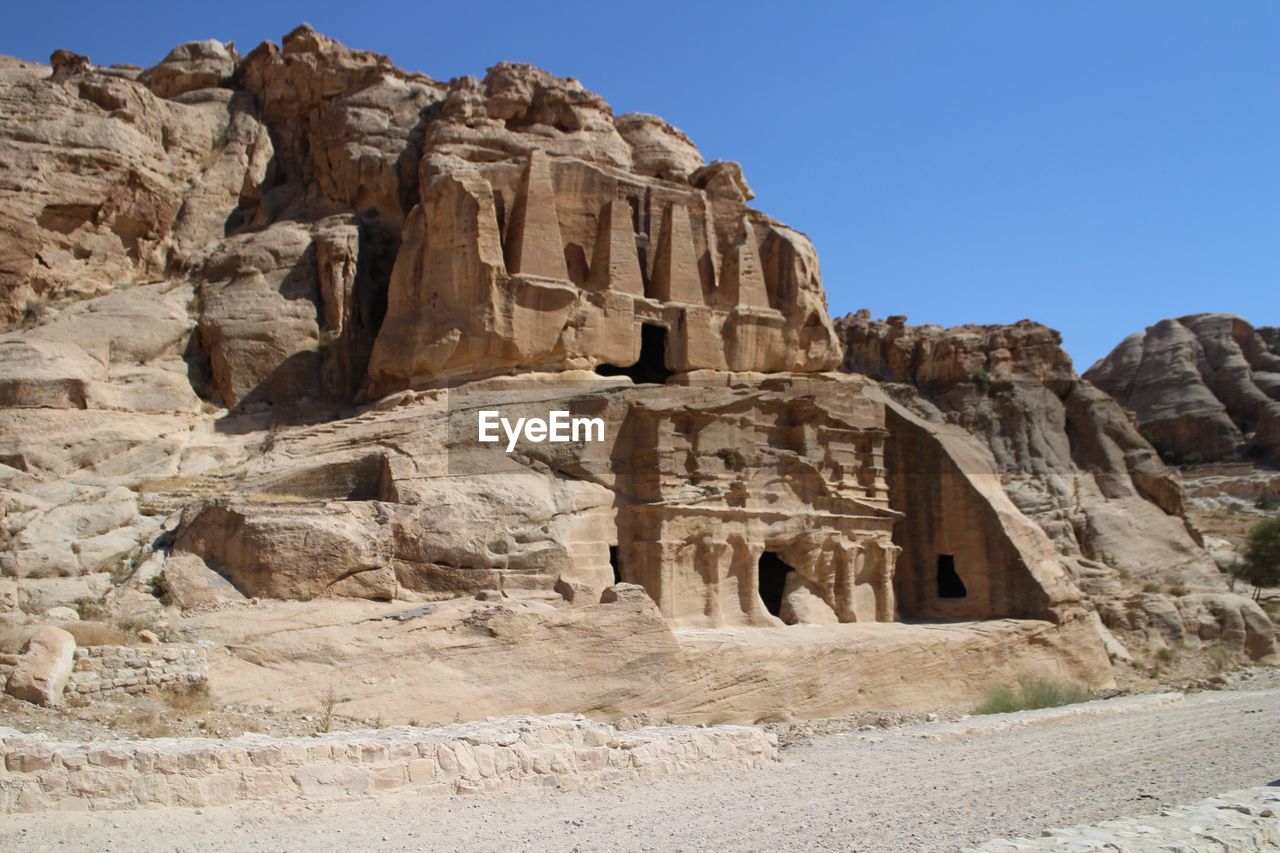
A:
(1096, 166)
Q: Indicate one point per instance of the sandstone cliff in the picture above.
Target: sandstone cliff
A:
(1069, 457)
(255, 304)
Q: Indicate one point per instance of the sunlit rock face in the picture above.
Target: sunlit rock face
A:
(258, 301)
(1203, 388)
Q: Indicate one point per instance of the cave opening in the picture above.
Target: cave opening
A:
(614, 564)
(651, 367)
(772, 581)
(949, 583)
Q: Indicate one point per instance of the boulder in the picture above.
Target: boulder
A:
(194, 65)
(38, 595)
(42, 673)
(625, 593)
(192, 584)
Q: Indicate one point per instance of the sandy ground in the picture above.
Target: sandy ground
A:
(910, 788)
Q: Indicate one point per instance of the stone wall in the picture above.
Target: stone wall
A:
(501, 754)
(135, 669)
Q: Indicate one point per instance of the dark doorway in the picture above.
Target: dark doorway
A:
(773, 580)
(949, 583)
(651, 367)
(613, 562)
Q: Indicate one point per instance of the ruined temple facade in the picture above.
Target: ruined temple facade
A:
(759, 508)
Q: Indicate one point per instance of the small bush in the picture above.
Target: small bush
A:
(1177, 589)
(1266, 503)
(1151, 586)
(34, 313)
(1031, 693)
(1000, 700)
(136, 624)
(1166, 655)
(328, 703)
(91, 610)
(731, 458)
(125, 569)
(188, 698)
(1219, 655)
(145, 722)
(161, 589)
(983, 380)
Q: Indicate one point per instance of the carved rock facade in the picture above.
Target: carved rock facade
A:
(339, 263)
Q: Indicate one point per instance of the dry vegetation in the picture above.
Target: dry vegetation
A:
(1031, 693)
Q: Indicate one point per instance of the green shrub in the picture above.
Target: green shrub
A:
(983, 380)
(1261, 563)
(1177, 589)
(1031, 693)
(1151, 586)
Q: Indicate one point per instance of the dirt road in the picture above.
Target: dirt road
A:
(883, 790)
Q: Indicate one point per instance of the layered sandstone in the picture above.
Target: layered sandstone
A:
(1203, 388)
(496, 755)
(270, 294)
(1069, 458)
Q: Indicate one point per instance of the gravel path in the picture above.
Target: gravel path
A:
(921, 787)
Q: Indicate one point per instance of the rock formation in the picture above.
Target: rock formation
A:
(42, 673)
(1068, 457)
(1203, 388)
(265, 298)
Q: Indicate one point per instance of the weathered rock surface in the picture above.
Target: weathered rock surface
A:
(102, 175)
(42, 673)
(1069, 458)
(338, 264)
(1238, 820)
(504, 754)
(1204, 387)
(1068, 455)
(188, 67)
